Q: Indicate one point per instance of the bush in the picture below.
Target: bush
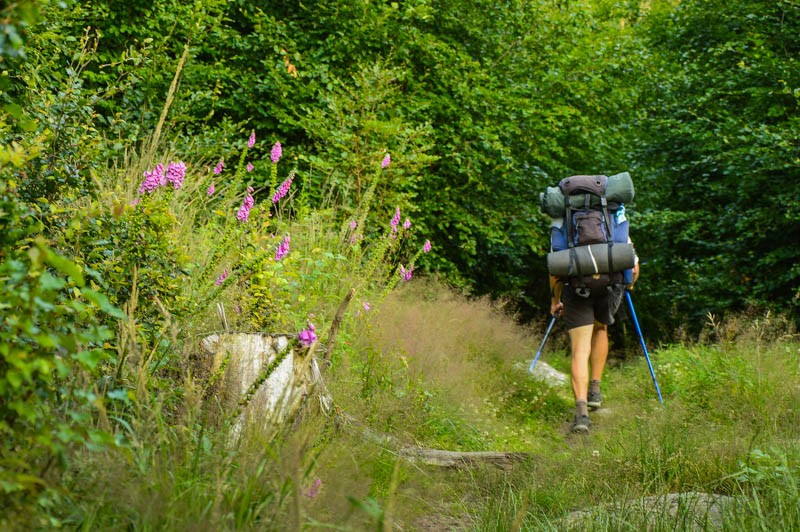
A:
(55, 356)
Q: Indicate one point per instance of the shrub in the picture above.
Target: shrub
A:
(54, 356)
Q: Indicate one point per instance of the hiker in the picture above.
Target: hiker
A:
(587, 320)
(591, 263)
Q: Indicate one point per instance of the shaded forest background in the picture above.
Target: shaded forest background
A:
(481, 105)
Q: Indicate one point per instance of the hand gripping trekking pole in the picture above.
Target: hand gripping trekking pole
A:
(541, 346)
(644, 347)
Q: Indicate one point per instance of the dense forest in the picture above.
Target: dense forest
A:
(455, 114)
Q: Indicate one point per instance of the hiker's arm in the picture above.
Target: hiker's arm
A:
(555, 295)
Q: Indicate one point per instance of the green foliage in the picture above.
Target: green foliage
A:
(716, 157)
(54, 351)
(770, 481)
(16, 19)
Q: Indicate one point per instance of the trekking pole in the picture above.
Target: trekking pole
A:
(541, 346)
(644, 347)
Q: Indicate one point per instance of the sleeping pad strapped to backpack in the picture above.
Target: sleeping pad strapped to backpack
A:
(589, 233)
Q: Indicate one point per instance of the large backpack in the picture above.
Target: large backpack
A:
(590, 248)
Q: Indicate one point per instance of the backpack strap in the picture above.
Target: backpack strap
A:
(573, 257)
(604, 204)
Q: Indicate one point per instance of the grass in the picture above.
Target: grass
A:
(725, 402)
(435, 369)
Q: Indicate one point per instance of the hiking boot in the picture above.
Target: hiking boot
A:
(581, 424)
(594, 400)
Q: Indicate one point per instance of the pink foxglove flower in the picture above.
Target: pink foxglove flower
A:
(219, 167)
(283, 189)
(244, 211)
(405, 274)
(426, 248)
(152, 179)
(250, 167)
(276, 152)
(407, 224)
(313, 490)
(386, 161)
(395, 220)
(307, 336)
(222, 277)
(283, 248)
(211, 189)
(162, 179)
(176, 172)
(252, 140)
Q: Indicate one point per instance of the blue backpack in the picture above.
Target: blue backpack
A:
(590, 248)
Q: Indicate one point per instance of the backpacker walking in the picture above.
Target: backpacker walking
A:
(591, 264)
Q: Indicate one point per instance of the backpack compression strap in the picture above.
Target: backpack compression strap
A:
(604, 203)
(575, 264)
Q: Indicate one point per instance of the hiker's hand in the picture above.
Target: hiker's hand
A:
(556, 306)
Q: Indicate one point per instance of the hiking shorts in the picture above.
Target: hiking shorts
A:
(599, 306)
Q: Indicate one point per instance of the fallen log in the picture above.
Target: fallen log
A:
(435, 457)
(456, 459)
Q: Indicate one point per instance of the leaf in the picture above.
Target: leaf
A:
(50, 283)
(102, 302)
(62, 264)
(91, 357)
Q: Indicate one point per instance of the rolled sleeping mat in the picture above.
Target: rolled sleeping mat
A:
(552, 203)
(619, 189)
(591, 259)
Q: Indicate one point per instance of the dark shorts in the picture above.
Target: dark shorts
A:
(599, 306)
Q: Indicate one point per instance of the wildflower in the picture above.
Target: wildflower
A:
(211, 189)
(283, 189)
(283, 248)
(250, 167)
(152, 179)
(353, 225)
(244, 211)
(219, 167)
(222, 277)
(407, 224)
(176, 172)
(276, 152)
(386, 161)
(252, 140)
(366, 305)
(406, 274)
(244, 214)
(307, 336)
(159, 170)
(395, 220)
(426, 248)
(313, 490)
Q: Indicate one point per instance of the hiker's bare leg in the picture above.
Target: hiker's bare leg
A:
(599, 353)
(581, 342)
